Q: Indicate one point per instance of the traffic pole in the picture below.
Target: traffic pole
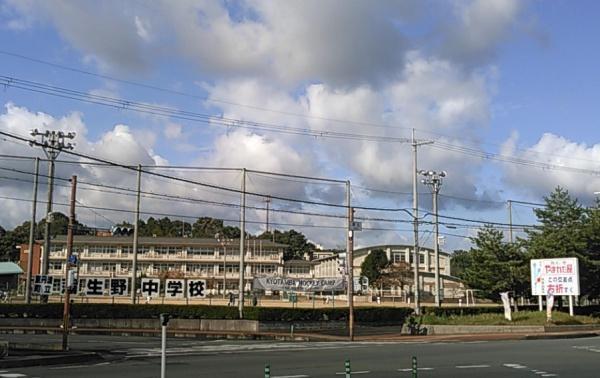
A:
(164, 321)
(414, 367)
(70, 231)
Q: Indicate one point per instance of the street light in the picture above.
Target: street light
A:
(433, 179)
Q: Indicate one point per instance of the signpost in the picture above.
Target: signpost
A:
(556, 277)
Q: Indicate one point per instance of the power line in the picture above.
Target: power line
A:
(186, 94)
(162, 111)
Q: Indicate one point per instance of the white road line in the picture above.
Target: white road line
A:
(472, 366)
(515, 366)
(421, 368)
(549, 375)
(355, 372)
(291, 376)
(12, 375)
(541, 372)
(70, 367)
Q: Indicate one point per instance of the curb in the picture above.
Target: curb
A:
(48, 360)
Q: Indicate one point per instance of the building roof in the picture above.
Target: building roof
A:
(119, 240)
(8, 268)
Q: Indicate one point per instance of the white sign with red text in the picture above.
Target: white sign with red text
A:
(558, 276)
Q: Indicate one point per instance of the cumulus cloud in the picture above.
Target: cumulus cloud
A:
(481, 26)
(290, 42)
(558, 155)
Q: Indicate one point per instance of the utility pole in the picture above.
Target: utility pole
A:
(415, 145)
(136, 233)
(32, 232)
(70, 232)
(242, 244)
(434, 180)
(350, 264)
(53, 142)
(267, 201)
(510, 227)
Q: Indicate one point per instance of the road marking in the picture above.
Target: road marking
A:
(102, 364)
(515, 366)
(472, 366)
(421, 368)
(549, 375)
(12, 375)
(354, 372)
(291, 376)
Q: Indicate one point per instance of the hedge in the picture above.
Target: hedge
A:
(149, 311)
(593, 310)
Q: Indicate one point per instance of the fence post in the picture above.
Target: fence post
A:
(347, 368)
(267, 371)
(414, 367)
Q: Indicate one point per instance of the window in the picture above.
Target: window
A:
(398, 257)
(167, 250)
(102, 249)
(231, 268)
(297, 269)
(264, 269)
(167, 267)
(200, 268)
(265, 252)
(202, 251)
(126, 249)
(421, 258)
(56, 265)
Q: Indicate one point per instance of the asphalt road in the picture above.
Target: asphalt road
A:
(139, 357)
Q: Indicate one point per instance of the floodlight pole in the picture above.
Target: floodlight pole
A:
(52, 142)
(434, 180)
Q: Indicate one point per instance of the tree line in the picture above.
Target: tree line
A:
(203, 227)
(565, 229)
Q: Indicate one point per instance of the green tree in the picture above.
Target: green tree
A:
(297, 244)
(492, 265)
(566, 229)
(590, 260)
(374, 265)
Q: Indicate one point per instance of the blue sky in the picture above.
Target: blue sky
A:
(518, 78)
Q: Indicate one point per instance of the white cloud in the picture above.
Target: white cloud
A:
(293, 42)
(553, 150)
(173, 130)
(482, 25)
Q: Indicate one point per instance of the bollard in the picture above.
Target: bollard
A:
(292, 332)
(267, 371)
(347, 368)
(414, 367)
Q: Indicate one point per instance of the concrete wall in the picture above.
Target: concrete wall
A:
(458, 329)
